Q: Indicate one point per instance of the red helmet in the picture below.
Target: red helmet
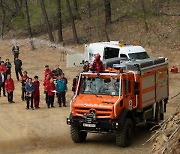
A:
(97, 56)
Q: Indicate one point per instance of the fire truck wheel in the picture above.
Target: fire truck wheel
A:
(157, 113)
(124, 134)
(77, 135)
(161, 110)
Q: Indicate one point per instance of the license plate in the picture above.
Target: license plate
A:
(89, 125)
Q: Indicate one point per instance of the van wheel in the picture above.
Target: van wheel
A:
(124, 133)
(77, 135)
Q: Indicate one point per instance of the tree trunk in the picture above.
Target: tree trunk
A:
(16, 5)
(59, 22)
(89, 8)
(144, 15)
(107, 5)
(72, 21)
(51, 37)
(3, 20)
(76, 9)
(29, 25)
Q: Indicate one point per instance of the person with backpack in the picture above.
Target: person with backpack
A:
(9, 86)
(97, 65)
(18, 67)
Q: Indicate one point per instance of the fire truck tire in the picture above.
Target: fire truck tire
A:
(157, 113)
(124, 133)
(161, 111)
(77, 135)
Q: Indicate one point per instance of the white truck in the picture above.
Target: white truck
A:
(108, 50)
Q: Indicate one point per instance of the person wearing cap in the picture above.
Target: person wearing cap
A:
(18, 67)
(97, 65)
(8, 65)
(36, 93)
(47, 71)
(2, 82)
(86, 66)
(9, 86)
(23, 82)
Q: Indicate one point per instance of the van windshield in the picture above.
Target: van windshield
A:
(100, 86)
(139, 55)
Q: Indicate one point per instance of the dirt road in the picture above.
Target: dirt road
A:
(45, 130)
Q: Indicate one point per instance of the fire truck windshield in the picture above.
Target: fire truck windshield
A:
(100, 86)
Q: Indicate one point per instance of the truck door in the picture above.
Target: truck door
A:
(127, 94)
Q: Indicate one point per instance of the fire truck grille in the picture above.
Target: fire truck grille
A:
(100, 113)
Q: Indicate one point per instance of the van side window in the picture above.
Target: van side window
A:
(127, 86)
(123, 56)
(110, 53)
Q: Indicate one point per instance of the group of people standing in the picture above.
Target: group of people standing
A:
(55, 84)
(6, 82)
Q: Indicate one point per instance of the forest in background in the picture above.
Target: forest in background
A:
(149, 22)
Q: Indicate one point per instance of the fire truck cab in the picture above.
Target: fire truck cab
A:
(117, 100)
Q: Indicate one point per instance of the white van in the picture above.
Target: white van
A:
(114, 49)
(109, 50)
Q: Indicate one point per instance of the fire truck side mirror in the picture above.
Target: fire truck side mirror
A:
(136, 88)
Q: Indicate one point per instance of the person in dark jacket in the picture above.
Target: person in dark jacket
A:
(9, 86)
(18, 68)
(23, 82)
(86, 66)
(15, 50)
(57, 71)
(61, 88)
(0, 60)
(8, 65)
(29, 87)
(51, 92)
(2, 82)
(36, 93)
